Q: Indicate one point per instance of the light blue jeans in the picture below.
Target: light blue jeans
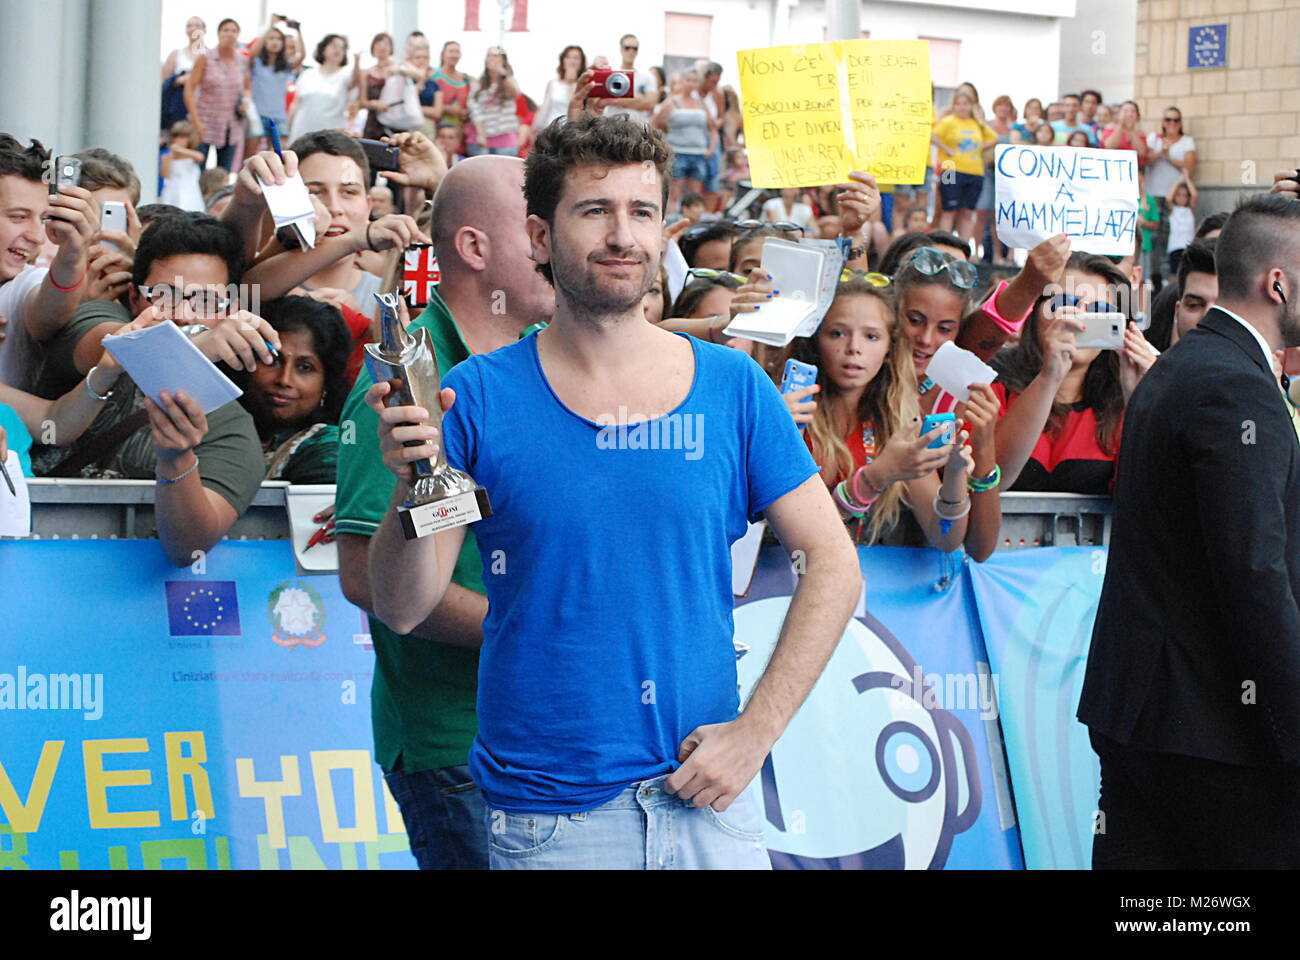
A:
(643, 828)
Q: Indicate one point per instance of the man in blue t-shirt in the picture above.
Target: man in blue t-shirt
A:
(622, 462)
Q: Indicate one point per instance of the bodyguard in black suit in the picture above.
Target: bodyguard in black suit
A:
(1192, 690)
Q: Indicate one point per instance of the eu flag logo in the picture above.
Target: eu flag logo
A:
(202, 608)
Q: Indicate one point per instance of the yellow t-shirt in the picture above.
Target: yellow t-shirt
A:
(965, 138)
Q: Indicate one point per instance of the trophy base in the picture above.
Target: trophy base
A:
(422, 519)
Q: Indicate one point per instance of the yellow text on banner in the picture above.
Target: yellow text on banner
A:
(815, 112)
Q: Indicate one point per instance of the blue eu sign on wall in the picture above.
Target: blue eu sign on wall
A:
(1207, 46)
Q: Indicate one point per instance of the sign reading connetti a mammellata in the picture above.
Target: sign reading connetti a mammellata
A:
(1092, 195)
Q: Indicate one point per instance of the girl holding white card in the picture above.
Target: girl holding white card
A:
(865, 431)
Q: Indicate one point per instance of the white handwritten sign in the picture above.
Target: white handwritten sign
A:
(1092, 195)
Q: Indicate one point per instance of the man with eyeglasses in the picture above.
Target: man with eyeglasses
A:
(209, 467)
(644, 86)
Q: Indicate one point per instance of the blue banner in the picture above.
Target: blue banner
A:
(165, 718)
(1037, 607)
(218, 717)
(894, 760)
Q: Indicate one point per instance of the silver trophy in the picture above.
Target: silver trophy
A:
(440, 497)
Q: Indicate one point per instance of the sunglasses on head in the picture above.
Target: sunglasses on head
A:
(1097, 306)
(932, 262)
(875, 279)
(708, 273)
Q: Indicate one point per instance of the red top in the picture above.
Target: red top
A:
(858, 438)
(1068, 460)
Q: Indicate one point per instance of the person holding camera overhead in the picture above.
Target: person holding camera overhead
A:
(213, 91)
(492, 108)
(272, 66)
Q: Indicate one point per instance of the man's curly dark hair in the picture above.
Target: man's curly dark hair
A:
(589, 141)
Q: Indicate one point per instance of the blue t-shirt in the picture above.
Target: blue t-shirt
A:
(607, 563)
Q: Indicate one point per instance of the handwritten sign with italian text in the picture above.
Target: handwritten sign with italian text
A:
(1092, 195)
(813, 113)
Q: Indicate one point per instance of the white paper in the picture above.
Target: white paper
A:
(304, 502)
(290, 205)
(775, 324)
(675, 266)
(16, 510)
(744, 558)
(1090, 194)
(162, 358)
(955, 369)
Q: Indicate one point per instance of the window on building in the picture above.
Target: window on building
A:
(687, 38)
(945, 63)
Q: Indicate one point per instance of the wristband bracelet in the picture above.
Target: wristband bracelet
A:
(368, 243)
(180, 476)
(871, 498)
(842, 501)
(985, 484)
(946, 522)
(55, 284)
(91, 390)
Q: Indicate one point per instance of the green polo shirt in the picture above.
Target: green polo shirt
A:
(423, 696)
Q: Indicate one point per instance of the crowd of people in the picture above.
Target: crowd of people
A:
(289, 326)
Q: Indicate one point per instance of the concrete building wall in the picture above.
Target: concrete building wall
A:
(1245, 116)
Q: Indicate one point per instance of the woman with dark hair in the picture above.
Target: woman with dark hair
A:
(272, 68)
(1062, 405)
(321, 100)
(296, 400)
(493, 109)
(662, 81)
(555, 104)
(213, 92)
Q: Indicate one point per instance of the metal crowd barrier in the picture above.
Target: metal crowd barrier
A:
(123, 509)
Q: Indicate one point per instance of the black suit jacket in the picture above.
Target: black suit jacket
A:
(1196, 644)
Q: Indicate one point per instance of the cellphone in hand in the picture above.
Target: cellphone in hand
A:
(1102, 331)
(67, 171)
(796, 376)
(932, 420)
(112, 216)
(381, 156)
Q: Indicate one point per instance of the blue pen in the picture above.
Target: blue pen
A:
(274, 132)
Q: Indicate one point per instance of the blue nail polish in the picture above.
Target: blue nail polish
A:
(769, 296)
(776, 291)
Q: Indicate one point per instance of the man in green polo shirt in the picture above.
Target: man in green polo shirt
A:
(426, 682)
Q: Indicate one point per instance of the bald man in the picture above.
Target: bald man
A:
(425, 685)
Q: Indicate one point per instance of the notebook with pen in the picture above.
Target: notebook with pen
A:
(162, 358)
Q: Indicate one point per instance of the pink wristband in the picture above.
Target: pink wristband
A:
(990, 308)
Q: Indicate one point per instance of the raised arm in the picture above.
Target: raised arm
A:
(1019, 429)
(408, 578)
(457, 620)
(73, 223)
(1045, 265)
